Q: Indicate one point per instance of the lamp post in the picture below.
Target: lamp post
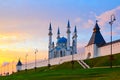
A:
(8, 69)
(49, 60)
(72, 61)
(35, 57)
(111, 23)
(1, 70)
(12, 67)
(26, 62)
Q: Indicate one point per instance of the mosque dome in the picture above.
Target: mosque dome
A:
(62, 40)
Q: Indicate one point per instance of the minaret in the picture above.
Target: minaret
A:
(50, 38)
(58, 33)
(68, 35)
(75, 41)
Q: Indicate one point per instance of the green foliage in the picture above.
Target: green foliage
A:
(104, 61)
(66, 72)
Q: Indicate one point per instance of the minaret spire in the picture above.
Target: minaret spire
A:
(75, 30)
(50, 27)
(68, 25)
(96, 27)
(58, 33)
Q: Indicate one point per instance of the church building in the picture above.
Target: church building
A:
(63, 46)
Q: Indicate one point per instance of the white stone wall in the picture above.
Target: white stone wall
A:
(55, 61)
(102, 51)
(105, 50)
(95, 53)
(18, 68)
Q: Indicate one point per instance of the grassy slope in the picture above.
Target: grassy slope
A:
(65, 72)
(104, 61)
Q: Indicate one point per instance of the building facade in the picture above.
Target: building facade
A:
(97, 46)
(63, 46)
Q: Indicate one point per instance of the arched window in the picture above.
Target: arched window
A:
(88, 55)
(61, 54)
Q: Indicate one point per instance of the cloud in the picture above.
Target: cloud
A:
(78, 20)
(104, 18)
(88, 24)
(5, 63)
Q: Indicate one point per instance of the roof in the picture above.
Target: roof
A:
(96, 37)
(62, 40)
(19, 63)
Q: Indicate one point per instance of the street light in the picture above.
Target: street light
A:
(49, 60)
(35, 57)
(111, 22)
(72, 61)
(12, 67)
(1, 70)
(26, 62)
(8, 69)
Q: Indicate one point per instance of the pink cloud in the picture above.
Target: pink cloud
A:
(88, 24)
(104, 18)
(78, 20)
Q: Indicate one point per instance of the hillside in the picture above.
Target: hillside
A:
(64, 71)
(104, 61)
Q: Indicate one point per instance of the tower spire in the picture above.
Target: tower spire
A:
(75, 30)
(68, 25)
(96, 27)
(50, 27)
(58, 33)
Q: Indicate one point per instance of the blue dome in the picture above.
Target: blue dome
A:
(62, 40)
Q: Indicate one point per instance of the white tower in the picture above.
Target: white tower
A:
(50, 40)
(19, 66)
(75, 41)
(68, 36)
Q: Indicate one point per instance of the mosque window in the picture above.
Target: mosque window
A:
(61, 54)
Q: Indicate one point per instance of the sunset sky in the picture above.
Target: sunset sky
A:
(24, 24)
